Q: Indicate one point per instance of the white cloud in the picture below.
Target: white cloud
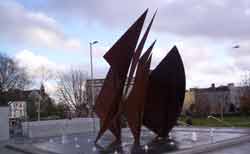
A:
(194, 22)
(209, 18)
(35, 29)
(203, 64)
(247, 11)
(51, 89)
(39, 68)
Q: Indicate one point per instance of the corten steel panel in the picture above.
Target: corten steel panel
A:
(102, 110)
(138, 53)
(124, 48)
(119, 57)
(136, 99)
(165, 96)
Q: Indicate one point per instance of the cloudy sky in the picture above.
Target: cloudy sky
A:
(55, 34)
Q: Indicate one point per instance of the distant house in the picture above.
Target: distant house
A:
(214, 100)
(17, 100)
(17, 109)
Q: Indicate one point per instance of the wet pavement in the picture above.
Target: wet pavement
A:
(4, 150)
(243, 148)
(180, 139)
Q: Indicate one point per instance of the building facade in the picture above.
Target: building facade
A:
(213, 100)
(97, 86)
(17, 109)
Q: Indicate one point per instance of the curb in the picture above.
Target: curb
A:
(15, 148)
(215, 146)
(216, 129)
(27, 149)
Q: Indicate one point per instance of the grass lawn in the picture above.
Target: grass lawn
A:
(228, 121)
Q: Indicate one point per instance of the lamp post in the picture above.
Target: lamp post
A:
(237, 46)
(39, 110)
(92, 82)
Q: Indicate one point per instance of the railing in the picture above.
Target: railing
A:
(221, 121)
(183, 123)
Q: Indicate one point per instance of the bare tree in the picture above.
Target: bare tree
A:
(44, 74)
(71, 91)
(11, 75)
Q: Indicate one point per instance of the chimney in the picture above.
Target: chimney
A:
(212, 85)
(42, 90)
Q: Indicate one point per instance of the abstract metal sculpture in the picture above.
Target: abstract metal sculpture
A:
(138, 53)
(166, 91)
(119, 58)
(156, 98)
(135, 101)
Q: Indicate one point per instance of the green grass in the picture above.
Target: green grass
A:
(228, 121)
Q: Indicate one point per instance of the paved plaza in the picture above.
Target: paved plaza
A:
(243, 148)
(4, 150)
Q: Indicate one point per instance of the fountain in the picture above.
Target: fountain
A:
(94, 149)
(51, 140)
(194, 136)
(77, 146)
(75, 139)
(211, 134)
(154, 103)
(64, 132)
(180, 138)
(146, 148)
(64, 139)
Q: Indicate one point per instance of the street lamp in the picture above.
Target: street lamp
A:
(35, 96)
(237, 46)
(92, 81)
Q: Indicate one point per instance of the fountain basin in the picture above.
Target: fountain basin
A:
(181, 140)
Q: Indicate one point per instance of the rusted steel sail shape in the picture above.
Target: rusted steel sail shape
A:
(138, 53)
(119, 58)
(166, 91)
(136, 99)
(101, 108)
(134, 63)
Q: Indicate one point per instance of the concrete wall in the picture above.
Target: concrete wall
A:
(4, 123)
(58, 127)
